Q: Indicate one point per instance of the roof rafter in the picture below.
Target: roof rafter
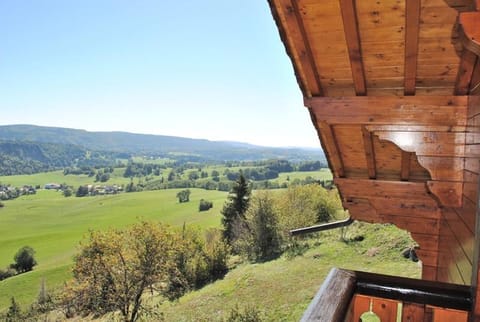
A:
(352, 36)
(298, 40)
(412, 28)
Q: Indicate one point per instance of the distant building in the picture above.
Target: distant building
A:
(50, 186)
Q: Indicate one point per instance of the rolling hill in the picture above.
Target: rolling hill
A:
(145, 144)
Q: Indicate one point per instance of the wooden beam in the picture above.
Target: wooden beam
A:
(369, 153)
(365, 189)
(465, 72)
(299, 45)
(434, 144)
(469, 21)
(475, 81)
(352, 36)
(331, 146)
(412, 27)
(405, 172)
(381, 110)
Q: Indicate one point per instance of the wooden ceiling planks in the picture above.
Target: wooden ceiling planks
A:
(391, 47)
(381, 26)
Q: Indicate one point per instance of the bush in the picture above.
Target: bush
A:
(183, 196)
(263, 227)
(24, 260)
(6, 273)
(248, 314)
(202, 260)
(205, 205)
(2, 204)
(14, 313)
(67, 192)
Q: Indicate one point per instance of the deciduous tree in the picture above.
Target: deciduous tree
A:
(263, 226)
(115, 268)
(24, 260)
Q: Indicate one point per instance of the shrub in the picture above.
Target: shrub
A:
(14, 313)
(2, 204)
(205, 205)
(24, 260)
(248, 314)
(67, 192)
(202, 260)
(6, 273)
(263, 226)
(183, 196)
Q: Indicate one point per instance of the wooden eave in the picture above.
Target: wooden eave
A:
(389, 47)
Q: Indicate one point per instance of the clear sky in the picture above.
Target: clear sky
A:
(212, 69)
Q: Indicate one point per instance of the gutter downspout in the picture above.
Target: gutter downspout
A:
(321, 227)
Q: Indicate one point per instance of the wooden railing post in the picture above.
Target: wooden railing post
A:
(331, 302)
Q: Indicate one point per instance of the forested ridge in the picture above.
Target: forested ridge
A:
(25, 157)
(26, 149)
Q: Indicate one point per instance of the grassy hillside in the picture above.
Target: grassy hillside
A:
(282, 289)
(53, 225)
(58, 177)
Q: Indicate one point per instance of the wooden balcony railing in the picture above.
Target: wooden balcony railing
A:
(351, 296)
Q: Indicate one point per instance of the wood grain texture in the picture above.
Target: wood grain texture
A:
(465, 73)
(362, 188)
(352, 37)
(332, 300)
(412, 312)
(469, 22)
(431, 144)
(369, 153)
(450, 194)
(332, 149)
(412, 27)
(415, 110)
(405, 172)
(295, 39)
(444, 315)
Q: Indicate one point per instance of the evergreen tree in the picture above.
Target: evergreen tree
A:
(234, 209)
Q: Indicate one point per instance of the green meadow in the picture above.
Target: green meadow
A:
(58, 177)
(53, 225)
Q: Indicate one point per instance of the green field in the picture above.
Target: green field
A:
(53, 225)
(117, 177)
(58, 177)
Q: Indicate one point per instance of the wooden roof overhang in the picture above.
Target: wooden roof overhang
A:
(391, 88)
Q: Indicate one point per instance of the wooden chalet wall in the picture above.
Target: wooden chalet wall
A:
(391, 87)
(401, 160)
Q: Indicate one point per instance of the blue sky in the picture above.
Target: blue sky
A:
(212, 69)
